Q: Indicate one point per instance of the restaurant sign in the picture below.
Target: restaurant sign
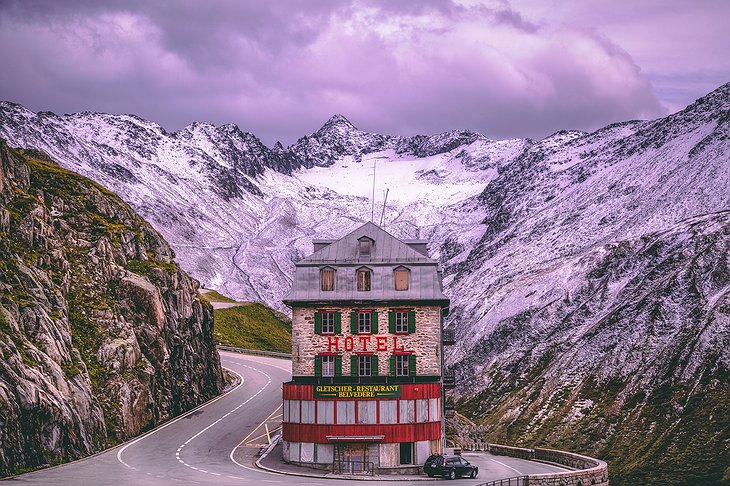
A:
(357, 391)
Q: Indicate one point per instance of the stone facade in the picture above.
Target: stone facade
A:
(424, 343)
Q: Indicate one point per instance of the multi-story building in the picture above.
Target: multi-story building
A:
(366, 391)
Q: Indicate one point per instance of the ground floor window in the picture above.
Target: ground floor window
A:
(406, 452)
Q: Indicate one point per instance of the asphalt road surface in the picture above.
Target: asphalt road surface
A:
(219, 442)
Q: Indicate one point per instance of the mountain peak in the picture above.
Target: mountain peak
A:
(337, 121)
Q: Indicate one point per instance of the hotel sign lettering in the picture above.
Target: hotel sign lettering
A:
(357, 391)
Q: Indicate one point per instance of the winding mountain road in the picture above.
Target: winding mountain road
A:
(218, 443)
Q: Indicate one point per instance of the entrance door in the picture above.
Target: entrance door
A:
(406, 452)
(357, 455)
(354, 458)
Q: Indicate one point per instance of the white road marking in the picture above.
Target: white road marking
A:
(505, 465)
(268, 382)
(154, 431)
(180, 448)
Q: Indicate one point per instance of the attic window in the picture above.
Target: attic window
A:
(327, 278)
(364, 246)
(363, 279)
(401, 278)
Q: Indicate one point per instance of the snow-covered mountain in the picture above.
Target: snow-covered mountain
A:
(548, 246)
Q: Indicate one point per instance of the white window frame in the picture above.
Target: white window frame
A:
(402, 365)
(401, 321)
(328, 322)
(328, 365)
(364, 365)
(364, 324)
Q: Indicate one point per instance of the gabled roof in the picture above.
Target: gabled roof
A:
(386, 249)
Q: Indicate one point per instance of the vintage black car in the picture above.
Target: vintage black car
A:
(451, 467)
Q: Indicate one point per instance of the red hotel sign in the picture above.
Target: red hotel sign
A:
(367, 343)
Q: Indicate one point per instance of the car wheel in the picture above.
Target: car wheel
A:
(430, 475)
(452, 474)
(473, 473)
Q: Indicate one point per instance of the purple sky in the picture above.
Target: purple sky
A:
(280, 69)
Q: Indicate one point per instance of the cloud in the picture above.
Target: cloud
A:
(279, 69)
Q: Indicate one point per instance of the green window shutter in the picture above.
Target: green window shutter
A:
(374, 363)
(412, 365)
(318, 366)
(353, 365)
(338, 322)
(353, 322)
(374, 327)
(392, 365)
(412, 321)
(391, 322)
(317, 323)
(338, 365)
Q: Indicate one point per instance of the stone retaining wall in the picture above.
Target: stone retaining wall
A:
(589, 471)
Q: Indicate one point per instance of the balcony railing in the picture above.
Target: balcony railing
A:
(449, 378)
(449, 408)
(448, 337)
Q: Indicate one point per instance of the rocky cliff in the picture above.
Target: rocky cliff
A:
(102, 335)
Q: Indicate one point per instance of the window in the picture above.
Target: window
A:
(407, 411)
(325, 412)
(364, 365)
(328, 366)
(294, 411)
(364, 246)
(388, 411)
(345, 412)
(434, 411)
(401, 278)
(328, 322)
(402, 365)
(421, 410)
(401, 321)
(308, 411)
(327, 277)
(364, 322)
(363, 279)
(366, 411)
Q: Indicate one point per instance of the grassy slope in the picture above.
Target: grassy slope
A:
(213, 296)
(250, 325)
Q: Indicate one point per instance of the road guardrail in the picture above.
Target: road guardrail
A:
(254, 352)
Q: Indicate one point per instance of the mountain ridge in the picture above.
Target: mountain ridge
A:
(514, 223)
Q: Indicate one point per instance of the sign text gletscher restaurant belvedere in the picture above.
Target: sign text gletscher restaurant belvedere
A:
(357, 391)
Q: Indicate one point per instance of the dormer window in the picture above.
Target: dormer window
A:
(327, 279)
(364, 246)
(401, 275)
(364, 277)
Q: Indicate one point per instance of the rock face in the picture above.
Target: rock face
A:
(553, 252)
(624, 352)
(102, 336)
